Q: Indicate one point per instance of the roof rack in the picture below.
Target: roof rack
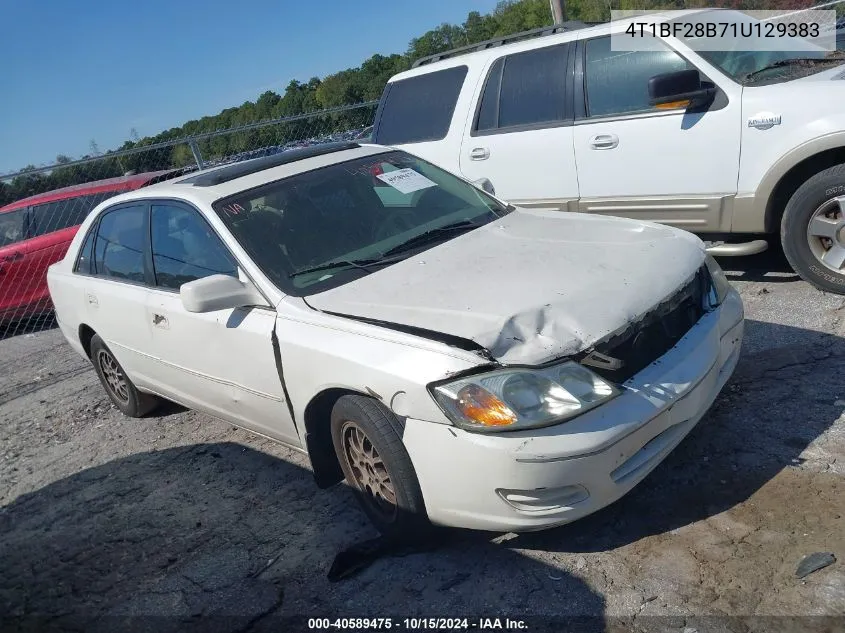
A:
(237, 170)
(572, 25)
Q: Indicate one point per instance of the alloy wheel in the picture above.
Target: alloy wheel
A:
(115, 380)
(369, 471)
(826, 234)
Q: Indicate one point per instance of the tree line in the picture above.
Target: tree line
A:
(351, 86)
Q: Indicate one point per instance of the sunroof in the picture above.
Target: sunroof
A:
(238, 170)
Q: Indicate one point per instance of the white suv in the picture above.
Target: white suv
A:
(734, 146)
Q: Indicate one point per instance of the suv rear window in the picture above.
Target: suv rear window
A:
(525, 89)
(419, 108)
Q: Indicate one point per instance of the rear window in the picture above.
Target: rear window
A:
(121, 238)
(525, 89)
(61, 214)
(420, 108)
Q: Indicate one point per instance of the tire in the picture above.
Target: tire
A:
(378, 440)
(813, 230)
(121, 391)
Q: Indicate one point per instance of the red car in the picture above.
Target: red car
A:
(36, 232)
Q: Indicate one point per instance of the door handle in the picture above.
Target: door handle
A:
(479, 153)
(159, 320)
(604, 141)
(92, 300)
(13, 257)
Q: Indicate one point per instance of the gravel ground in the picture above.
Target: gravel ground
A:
(109, 522)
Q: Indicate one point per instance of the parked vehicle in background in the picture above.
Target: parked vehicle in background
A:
(458, 360)
(365, 135)
(36, 231)
(741, 147)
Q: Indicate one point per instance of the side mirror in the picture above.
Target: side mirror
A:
(486, 185)
(219, 292)
(680, 89)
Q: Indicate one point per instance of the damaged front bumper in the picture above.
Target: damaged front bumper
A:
(538, 479)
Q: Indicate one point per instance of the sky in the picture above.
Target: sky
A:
(95, 69)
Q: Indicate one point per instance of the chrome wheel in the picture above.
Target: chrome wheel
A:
(826, 234)
(368, 470)
(115, 380)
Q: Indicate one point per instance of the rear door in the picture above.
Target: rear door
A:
(113, 258)
(520, 132)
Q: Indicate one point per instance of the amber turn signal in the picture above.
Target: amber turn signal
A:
(482, 407)
(671, 105)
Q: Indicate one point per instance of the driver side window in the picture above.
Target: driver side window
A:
(616, 81)
(185, 247)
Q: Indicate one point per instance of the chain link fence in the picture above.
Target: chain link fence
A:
(41, 208)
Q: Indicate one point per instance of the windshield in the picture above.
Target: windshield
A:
(748, 56)
(323, 228)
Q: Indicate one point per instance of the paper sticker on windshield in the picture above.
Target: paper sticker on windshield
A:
(406, 180)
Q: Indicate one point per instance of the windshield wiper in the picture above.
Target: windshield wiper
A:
(796, 61)
(387, 257)
(432, 235)
(363, 264)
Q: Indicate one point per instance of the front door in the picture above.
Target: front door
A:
(520, 134)
(633, 160)
(221, 362)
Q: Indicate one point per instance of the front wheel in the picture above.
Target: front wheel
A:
(377, 467)
(813, 230)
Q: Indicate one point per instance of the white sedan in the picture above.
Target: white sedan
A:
(459, 361)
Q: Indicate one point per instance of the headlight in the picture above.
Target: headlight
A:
(517, 399)
(719, 286)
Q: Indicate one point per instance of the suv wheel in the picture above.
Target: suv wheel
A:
(119, 388)
(813, 230)
(377, 467)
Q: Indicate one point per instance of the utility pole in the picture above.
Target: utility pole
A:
(558, 11)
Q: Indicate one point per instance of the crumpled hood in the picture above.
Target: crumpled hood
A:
(530, 287)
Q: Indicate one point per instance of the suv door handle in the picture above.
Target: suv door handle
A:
(13, 257)
(479, 153)
(604, 141)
